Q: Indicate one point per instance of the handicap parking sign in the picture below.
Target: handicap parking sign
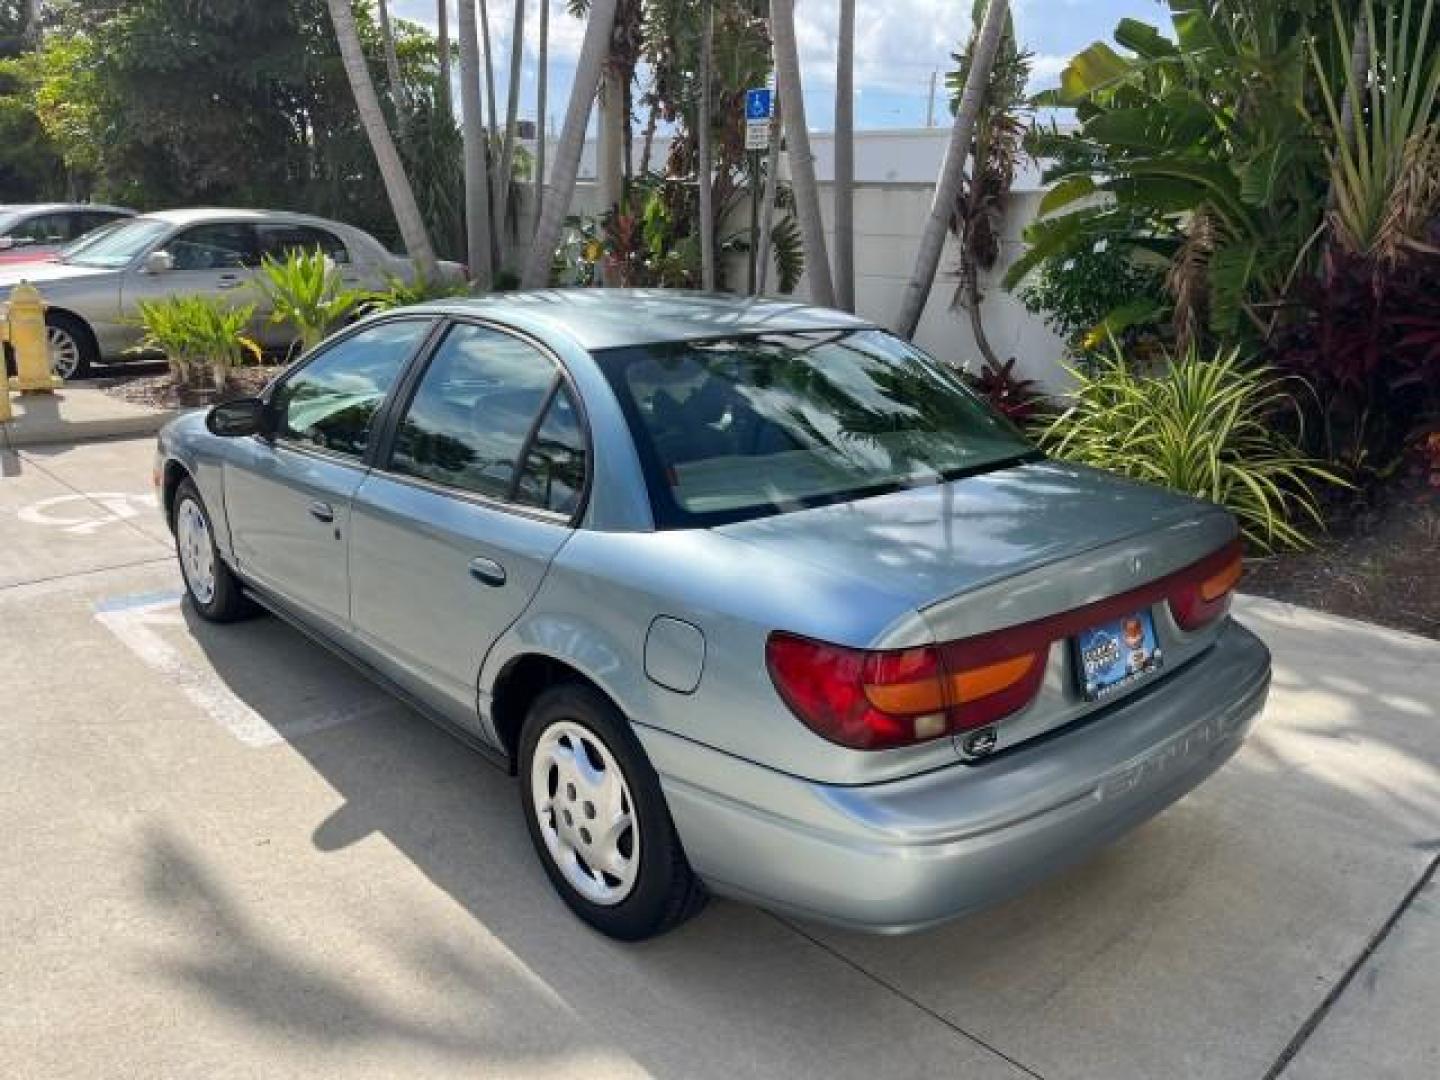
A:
(757, 104)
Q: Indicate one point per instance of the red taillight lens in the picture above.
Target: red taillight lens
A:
(880, 700)
(1205, 595)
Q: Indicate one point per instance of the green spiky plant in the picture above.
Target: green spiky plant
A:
(401, 293)
(305, 292)
(1204, 427)
(198, 335)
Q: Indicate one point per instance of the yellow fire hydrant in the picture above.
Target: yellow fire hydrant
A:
(25, 329)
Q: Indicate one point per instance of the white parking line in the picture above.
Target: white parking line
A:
(96, 509)
(137, 621)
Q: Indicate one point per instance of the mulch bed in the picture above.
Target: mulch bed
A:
(160, 392)
(1379, 562)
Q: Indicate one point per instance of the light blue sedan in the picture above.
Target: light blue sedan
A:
(755, 598)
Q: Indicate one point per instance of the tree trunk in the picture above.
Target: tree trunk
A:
(802, 164)
(609, 169)
(702, 132)
(845, 159)
(491, 128)
(372, 119)
(392, 58)
(442, 44)
(572, 141)
(973, 302)
(1359, 77)
(477, 182)
(512, 112)
(932, 240)
(542, 77)
(647, 141)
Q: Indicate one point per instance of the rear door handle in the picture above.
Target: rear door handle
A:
(488, 572)
(322, 511)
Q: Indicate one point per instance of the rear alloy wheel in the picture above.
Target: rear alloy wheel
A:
(72, 350)
(598, 819)
(213, 589)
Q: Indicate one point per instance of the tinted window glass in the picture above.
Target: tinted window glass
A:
(221, 246)
(123, 244)
(94, 219)
(554, 474)
(279, 241)
(473, 412)
(738, 428)
(43, 229)
(331, 403)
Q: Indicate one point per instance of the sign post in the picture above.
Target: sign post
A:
(758, 106)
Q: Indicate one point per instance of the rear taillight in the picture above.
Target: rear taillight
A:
(1205, 595)
(880, 700)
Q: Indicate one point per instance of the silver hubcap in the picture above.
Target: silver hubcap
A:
(197, 556)
(586, 813)
(64, 352)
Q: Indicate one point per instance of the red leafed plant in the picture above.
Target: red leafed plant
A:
(1017, 397)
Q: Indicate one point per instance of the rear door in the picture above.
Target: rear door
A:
(288, 498)
(455, 529)
(280, 239)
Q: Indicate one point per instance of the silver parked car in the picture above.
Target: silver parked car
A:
(35, 232)
(756, 598)
(94, 289)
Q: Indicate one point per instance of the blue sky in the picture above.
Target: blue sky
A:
(898, 44)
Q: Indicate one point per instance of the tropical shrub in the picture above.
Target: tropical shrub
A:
(1204, 427)
(1013, 395)
(1095, 293)
(199, 336)
(401, 293)
(305, 292)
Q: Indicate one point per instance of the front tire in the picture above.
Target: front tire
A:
(213, 588)
(598, 819)
(73, 352)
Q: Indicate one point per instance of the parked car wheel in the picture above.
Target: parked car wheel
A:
(598, 819)
(72, 347)
(213, 589)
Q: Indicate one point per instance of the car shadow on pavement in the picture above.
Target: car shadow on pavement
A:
(1201, 939)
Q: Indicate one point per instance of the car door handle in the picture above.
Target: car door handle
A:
(230, 281)
(488, 572)
(322, 511)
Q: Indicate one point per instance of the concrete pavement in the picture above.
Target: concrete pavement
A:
(230, 856)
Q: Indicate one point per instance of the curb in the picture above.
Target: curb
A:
(26, 431)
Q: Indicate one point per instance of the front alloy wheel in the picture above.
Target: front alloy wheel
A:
(65, 352)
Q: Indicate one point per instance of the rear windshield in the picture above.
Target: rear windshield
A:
(734, 429)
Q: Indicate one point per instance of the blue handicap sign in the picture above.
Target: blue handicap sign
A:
(757, 104)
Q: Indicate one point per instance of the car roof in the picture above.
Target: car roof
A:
(202, 214)
(613, 318)
(52, 208)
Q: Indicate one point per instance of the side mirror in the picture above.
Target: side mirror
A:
(232, 419)
(159, 262)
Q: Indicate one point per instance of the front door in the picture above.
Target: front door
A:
(454, 531)
(288, 497)
(216, 259)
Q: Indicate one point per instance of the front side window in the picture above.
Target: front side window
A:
(220, 246)
(475, 413)
(739, 428)
(330, 404)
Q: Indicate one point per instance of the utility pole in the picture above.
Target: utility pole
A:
(930, 108)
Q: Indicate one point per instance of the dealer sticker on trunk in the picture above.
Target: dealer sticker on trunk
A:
(1114, 656)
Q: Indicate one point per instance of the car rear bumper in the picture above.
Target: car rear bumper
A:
(903, 855)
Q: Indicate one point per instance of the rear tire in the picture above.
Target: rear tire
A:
(73, 352)
(598, 818)
(213, 588)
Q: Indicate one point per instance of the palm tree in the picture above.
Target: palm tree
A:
(442, 45)
(372, 119)
(392, 58)
(802, 163)
(572, 141)
(845, 159)
(542, 78)
(702, 129)
(477, 183)
(932, 239)
(492, 128)
(512, 105)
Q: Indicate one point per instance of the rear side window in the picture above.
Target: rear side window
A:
(330, 404)
(278, 241)
(738, 428)
(475, 415)
(554, 473)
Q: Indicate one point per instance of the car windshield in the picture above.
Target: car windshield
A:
(121, 247)
(740, 428)
(8, 221)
